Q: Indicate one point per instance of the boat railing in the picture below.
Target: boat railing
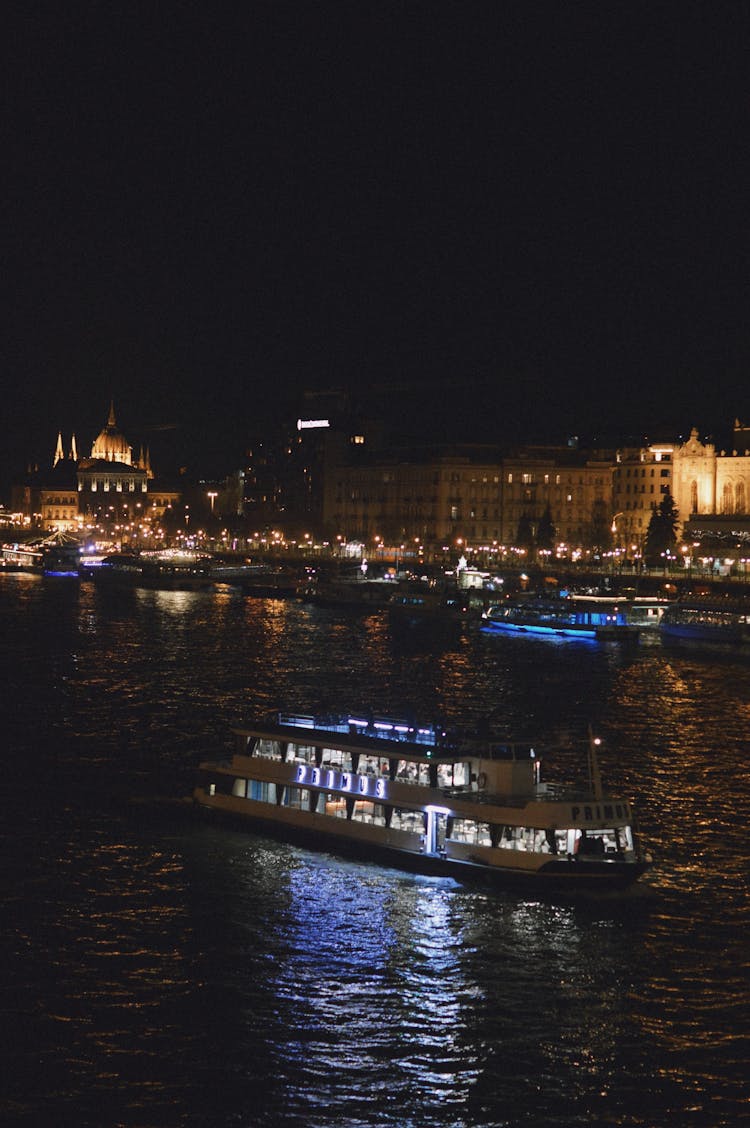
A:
(385, 728)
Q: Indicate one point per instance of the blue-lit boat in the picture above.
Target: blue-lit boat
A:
(567, 616)
(419, 798)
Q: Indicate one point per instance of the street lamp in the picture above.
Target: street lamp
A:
(212, 495)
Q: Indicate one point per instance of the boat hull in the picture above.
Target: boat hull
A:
(544, 874)
(558, 630)
(689, 633)
(615, 633)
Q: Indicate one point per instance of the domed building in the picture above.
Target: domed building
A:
(111, 445)
(109, 487)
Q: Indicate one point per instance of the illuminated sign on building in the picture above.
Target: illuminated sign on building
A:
(312, 424)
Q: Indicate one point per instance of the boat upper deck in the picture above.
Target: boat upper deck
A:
(383, 736)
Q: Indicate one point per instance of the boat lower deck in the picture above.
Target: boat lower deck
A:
(425, 848)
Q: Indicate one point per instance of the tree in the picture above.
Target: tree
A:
(545, 533)
(525, 533)
(661, 535)
(600, 529)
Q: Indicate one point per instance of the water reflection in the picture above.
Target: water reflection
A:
(377, 958)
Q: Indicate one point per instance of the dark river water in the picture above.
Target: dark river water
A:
(157, 970)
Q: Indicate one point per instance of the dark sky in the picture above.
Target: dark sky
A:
(536, 211)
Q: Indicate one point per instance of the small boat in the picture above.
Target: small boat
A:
(421, 601)
(174, 571)
(591, 617)
(707, 620)
(419, 798)
(62, 560)
(266, 582)
(355, 592)
(115, 568)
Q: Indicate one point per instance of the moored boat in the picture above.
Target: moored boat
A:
(267, 582)
(354, 592)
(62, 559)
(419, 798)
(419, 601)
(169, 571)
(707, 620)
(584, 617)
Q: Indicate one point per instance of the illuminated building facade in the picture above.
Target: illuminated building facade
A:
(574, 486)
(474, 498)
(481, 496)
(436, 500)
(707, 482)
(108, 486)
(641, 477)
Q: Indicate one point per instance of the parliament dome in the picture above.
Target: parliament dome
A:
(111, 445)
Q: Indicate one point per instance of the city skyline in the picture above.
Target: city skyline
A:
(536, 216)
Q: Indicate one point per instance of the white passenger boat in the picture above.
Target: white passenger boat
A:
(414, 797)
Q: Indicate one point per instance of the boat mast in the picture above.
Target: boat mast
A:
(595, 779)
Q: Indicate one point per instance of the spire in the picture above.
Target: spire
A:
(58, 449)
(73, 449)
(112, 422)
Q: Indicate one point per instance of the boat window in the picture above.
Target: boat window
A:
(412, 821)
(336, 759)
(517, 838)
(270, 749)
(301, 753)
(370, 765)
(446, 775)
(369, 813)
(297, 797)
(423, 776)
(259, 790)
(335, 806)
(600, 843)
(471, 831)
(461, 774)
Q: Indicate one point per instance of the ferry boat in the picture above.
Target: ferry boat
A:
(569, 616)
(707, 620)
(415, 797)
(167, 570)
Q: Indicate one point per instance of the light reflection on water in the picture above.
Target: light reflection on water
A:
(175, 973)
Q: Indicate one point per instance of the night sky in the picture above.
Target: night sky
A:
(535, 212)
